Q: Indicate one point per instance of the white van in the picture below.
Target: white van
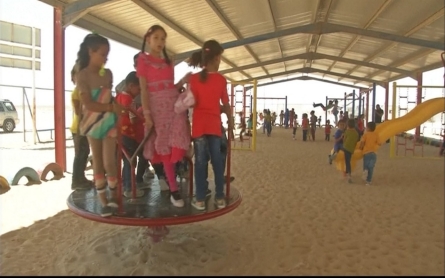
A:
(8, 115)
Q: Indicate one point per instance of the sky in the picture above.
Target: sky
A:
(301, 94)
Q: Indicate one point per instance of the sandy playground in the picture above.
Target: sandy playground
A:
(298, 217)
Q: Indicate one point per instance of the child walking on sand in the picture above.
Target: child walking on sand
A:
(209, 89)
(98, 118)
(350, 140)
(313, 121)
(170, 139)
(369, 144)
(305, 126)
(327, 131)
(338, 137)
(294, 129)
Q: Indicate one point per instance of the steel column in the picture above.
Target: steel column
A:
(386, 86)
(59, 89)
(373, 100)
(419, 78)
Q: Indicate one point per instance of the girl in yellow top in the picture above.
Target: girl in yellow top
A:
(81, 146)
(369, 145)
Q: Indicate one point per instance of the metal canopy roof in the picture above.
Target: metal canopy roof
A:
(346, 42)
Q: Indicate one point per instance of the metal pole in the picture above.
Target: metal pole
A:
(373, 100)
(367, 106)
(34, 120)
(326, 110)
(392, 146)
(386, 100)
(24, 114)
(344, 104)
(285, 103)
(419, 77)
(59, 90)
(359, 103)
(254, 131)
(353, 104)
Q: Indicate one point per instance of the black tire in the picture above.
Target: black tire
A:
(8, 126)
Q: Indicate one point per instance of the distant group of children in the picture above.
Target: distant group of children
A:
(146, 106)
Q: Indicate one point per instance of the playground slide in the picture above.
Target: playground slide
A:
(420, 114)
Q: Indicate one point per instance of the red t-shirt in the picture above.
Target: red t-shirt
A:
(327, 129)
(208, 98)
(134, 131)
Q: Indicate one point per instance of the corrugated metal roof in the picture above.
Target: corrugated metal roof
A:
(347, 55)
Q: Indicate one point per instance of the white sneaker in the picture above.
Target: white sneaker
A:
(368, 183)
(176, 199)
(148, 175)
(163, 185)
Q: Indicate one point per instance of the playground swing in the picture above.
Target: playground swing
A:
(153, 210)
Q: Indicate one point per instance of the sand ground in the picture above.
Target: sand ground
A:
(298, 217)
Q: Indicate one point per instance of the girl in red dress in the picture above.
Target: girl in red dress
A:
(170, 137)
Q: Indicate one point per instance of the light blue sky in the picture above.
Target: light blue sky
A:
(300, 94)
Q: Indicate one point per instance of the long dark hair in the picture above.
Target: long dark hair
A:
(210, 50)
(150, 31)
(93, 42)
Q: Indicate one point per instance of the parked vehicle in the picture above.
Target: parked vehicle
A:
(8, 116)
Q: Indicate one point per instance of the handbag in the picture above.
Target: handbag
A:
(184, 101)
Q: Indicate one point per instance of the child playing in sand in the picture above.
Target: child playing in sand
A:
(209, 89)
(294, 129)
(131, 128)
(305, 126)
(327, 131)
(170, 139)
(350, 139)
(338, 143)
(369, 144)
(98, 118)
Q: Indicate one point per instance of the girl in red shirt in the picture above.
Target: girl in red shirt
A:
(305, 126)
(209, 89)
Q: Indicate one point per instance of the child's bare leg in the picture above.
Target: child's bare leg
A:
(99, 173)
(109, 157)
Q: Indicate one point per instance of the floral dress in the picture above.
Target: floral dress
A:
(170, 138)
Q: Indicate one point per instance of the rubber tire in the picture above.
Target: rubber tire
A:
(6, 123)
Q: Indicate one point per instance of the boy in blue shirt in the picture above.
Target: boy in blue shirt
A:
(338, 136)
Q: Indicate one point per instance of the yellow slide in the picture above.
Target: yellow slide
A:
(420, 114)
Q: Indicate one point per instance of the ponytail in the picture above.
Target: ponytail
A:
(196, 59)
(203, 75)
(143, 43)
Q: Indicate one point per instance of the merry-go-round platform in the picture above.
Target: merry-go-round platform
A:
(153, 210)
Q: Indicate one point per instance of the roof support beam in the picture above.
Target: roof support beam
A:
(357, 38)
(424, 69)
(318, 56)
(309, 28)
(272, 14)
(414, 56)
(313, 70)
(315, 41)
(178, 29)
(419, 26)
(110, 31)
(324, 28)
(307, 78)
(235, 32)
(81, 5)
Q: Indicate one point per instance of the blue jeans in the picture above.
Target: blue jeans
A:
(205, 145)
(369, 161)
(130, 146)
(268, 127)
(348, 157)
